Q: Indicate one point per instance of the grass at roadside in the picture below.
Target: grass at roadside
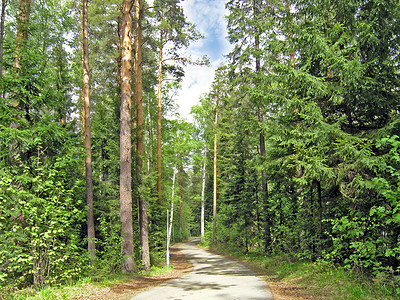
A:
(85, 288)
(291, 279)
(106, 286)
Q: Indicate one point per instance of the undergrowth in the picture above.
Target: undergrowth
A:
(93, 282)
(83, 288)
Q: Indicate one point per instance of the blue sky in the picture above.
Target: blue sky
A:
(209, 17)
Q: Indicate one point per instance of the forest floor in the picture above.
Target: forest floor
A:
(181, 266)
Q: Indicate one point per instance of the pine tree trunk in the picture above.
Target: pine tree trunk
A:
(87, 142)
(290, 35)
(149, 149)
(119, 59)
(143, 222)
(2, 21)
(159, 115)
(127, 251)
(264, 187)
(21, 40)
(264, 183)
(215, 172)
(319, 192)
(312, 205)
(22, 30)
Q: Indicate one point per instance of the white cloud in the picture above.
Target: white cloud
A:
(197, 81)
(209, 17)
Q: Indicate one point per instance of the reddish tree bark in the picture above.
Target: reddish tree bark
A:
(22, 30)
(127, 250)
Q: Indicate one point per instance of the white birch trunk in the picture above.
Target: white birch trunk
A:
(169, 224)
(202, 197)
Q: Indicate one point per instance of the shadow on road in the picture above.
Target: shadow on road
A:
(213, 277)
(191, 285)
(211, 264)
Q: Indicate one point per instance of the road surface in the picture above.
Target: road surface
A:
(213, 277)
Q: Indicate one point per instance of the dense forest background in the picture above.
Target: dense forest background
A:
(294, 151)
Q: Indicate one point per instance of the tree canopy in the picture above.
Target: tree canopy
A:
(293, 150)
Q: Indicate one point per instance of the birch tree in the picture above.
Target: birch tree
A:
(203, 190)
(170, 221)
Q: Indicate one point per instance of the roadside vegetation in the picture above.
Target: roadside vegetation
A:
(100, 285)
(291, 278)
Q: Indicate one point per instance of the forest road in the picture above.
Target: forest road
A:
(213, 277)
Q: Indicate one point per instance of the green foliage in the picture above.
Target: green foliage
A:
(307, 77)
(41, 185)
(41, 212)
(107, 246)
(367, 240)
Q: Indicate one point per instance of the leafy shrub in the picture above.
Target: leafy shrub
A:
(41, 213)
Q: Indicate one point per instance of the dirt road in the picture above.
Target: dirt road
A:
(213, 277)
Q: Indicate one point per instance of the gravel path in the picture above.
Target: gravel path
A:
(213, 277)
